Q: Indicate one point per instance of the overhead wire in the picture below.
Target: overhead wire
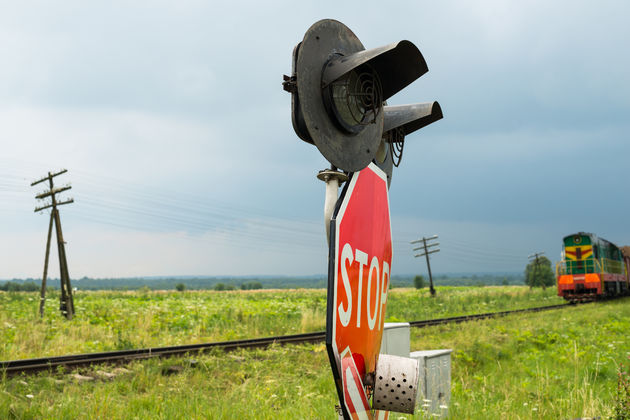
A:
(474, 254)
(114, 202)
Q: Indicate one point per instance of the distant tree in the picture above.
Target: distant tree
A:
(15, 286)
(539, 274)
(251, 285)
(505, 281)
(180, 287)
(219, 287)
(418, 282)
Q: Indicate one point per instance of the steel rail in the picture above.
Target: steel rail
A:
(14, 367)
(466, 318)
(78, 360)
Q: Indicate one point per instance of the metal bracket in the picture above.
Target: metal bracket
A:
(333, 179)
(289, 84)
(339, 412)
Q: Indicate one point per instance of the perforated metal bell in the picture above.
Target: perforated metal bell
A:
(395, 384)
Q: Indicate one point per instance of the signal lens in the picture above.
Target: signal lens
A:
(355, 99)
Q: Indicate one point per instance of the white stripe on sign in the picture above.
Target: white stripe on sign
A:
(355, 395)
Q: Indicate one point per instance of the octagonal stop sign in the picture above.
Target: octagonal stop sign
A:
(358, 278)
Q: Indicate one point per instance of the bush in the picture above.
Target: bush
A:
(251, 285)
(180, 287)
(539, 273)
(27, 286)
(418, 282)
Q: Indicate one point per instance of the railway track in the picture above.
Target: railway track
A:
(69, 362)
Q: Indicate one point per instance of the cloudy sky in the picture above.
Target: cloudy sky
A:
(173, 125)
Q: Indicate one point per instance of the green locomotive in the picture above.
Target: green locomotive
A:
(592, 267)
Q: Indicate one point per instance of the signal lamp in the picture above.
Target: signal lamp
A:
(338, 90)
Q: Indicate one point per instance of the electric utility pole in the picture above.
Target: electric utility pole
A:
(425, 251)
(66, 303)
(535, 259)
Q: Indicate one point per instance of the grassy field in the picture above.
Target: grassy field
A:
(550, 365)
(122, 320)
(558, 364)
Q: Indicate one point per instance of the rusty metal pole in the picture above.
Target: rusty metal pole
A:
(42, 294)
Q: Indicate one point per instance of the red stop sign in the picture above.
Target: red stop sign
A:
(359, 271)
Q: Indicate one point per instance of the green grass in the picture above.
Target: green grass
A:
(558, 364)
(122, 320)
(550, 365)
(412, 305)
(241, 385)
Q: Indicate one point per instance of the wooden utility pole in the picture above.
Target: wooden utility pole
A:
(535, 259)
(66, 303)
(425, 252)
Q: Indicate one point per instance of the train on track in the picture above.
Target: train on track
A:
(591, 268)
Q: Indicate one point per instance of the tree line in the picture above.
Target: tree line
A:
(18, 286)
(248, 283)
(538, 273)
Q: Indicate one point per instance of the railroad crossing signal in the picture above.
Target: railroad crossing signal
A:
(339, 92)
(359, 272)
(338, 103)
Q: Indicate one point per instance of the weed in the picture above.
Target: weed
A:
(622, 395)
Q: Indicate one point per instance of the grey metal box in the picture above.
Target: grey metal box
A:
(435, 380)
(396, 339)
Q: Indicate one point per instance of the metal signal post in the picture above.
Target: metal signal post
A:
(66, 304)
(425, 251)
(339, 92)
